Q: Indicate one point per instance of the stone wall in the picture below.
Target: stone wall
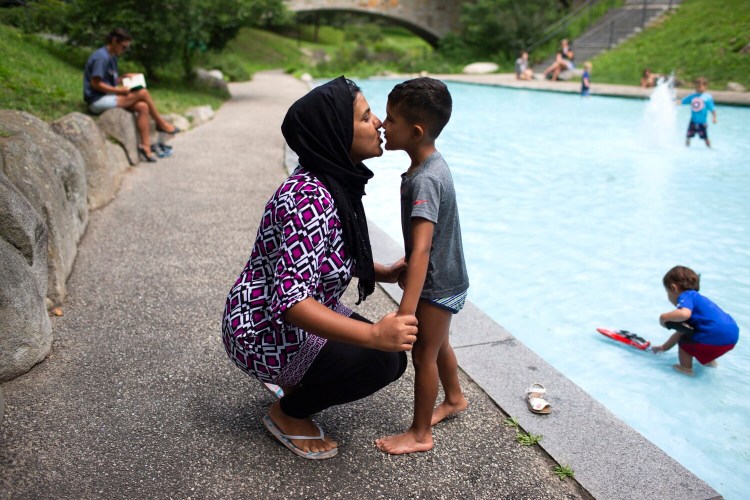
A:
(51, 176)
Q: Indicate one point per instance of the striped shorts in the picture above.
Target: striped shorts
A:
(453, 303)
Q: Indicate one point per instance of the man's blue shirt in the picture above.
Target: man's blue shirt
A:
(700, 105)
(101, 64)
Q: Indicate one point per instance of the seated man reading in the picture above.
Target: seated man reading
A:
(103, 90)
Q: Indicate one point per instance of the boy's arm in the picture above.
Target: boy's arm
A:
(678, 316)
(421, 237)
(713, 112)
(670, 343)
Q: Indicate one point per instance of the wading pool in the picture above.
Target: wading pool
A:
(571, 211)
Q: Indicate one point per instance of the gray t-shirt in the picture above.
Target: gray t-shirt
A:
(428, 193)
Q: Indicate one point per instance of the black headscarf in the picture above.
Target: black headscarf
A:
(319, 127)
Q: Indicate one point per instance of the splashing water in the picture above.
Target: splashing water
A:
(659, 121)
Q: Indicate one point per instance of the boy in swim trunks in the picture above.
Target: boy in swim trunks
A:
(703, 330)
(701, 102)
(436, 280)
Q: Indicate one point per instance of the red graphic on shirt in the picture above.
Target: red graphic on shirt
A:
(419, 202)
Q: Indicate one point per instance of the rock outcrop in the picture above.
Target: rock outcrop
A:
(26, 333)
(51, 174)
(105, 162)
(119, 124)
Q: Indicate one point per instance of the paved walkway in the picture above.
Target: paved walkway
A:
(138, 400)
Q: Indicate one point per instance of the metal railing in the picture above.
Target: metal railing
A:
(584, 9)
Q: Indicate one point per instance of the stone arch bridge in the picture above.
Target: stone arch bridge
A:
(429, 19)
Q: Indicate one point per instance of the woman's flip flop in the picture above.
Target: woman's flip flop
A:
(286, 440)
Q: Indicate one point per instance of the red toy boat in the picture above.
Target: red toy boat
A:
(626, 337)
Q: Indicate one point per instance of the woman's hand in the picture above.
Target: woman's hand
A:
(394, 333)
(392, 273)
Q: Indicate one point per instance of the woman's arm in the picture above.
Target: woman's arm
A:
(389, 274)
(392, 333)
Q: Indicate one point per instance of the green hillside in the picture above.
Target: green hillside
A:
(709, 38)
(45, 78)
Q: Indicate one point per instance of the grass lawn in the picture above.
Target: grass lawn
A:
(45, 79)
(701, 38)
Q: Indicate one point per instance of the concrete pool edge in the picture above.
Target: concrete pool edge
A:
(508, 80)
(610, 458)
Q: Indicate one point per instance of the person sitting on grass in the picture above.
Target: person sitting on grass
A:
(103, 90)
(523, 72)
(703, 329)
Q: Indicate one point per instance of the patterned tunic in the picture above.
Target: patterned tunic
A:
(298, 253)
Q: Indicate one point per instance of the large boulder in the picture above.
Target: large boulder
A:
(480, 68)
(178, 121)
(119, 124)
(198, 115)
(26, 334)
(105, 162)
(211, 80)
(50, 172)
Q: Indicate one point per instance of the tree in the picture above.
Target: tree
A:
(502, 27)
(169, 31)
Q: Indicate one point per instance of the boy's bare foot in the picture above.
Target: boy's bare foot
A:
(682, 369)
(447, 409)
(712, 364)
(407, 442)
(300, 427)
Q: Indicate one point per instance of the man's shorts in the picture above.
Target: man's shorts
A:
(453, 304)
(704, 353)
(104, 103)
(697, 128)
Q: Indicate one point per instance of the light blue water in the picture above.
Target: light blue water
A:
(572, 210)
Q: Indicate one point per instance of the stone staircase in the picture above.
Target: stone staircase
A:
(616, 26)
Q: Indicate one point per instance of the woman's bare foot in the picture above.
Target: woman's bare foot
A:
(682, 369)
(400, 444)
(712, 364)
(300, 427)
(447, 409)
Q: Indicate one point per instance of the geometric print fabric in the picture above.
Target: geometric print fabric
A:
(298, 253)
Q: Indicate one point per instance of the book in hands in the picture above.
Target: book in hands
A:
(135, 81)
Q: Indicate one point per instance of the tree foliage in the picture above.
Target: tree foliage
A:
(500, 28)
(164, 32)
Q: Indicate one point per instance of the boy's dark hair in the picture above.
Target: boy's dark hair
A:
(684, 277)
(117, 35)
(425, 101)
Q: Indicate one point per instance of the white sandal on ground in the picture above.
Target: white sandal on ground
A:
(535, 399)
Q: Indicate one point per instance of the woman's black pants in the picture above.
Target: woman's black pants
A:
(342, 373)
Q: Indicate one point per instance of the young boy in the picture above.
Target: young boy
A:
(701, 103)
(586, 79)
(703, 329)
(435, 281)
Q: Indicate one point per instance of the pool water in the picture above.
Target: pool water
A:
(571, 211)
